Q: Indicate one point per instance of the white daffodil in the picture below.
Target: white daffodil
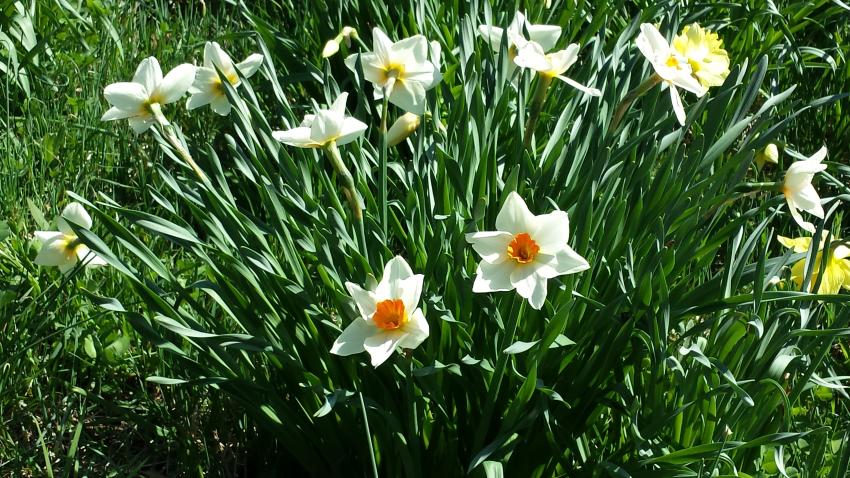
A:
(799, 192)
(552, 65)
(207, 88)
(63, 248)
(326, 126)
(389, 315)
(670, 65)
(401, 70)
(544, 35)
(524, 252)
(139, 101)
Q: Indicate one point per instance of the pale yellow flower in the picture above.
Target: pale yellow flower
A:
(704, 52)
(836, 274)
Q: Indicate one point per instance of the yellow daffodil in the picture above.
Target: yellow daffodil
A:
(401, 70)
(836, 273)
(799, 192)
(62, 248)
(524, 252)
(403, 127)
(140, 101)
(552, 65)
(390, 316)
(207, 88)
(770, 154)
(703, 50)
(326, 126)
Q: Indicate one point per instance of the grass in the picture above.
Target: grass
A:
(673, 355)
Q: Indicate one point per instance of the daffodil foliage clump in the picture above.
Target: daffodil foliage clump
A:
(480, 239)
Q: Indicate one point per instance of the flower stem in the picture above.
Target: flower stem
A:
(383, 163)
(368, 436)
(630, 98)
(755, 187)
(168, 129)
(349, 190)
(543, 82)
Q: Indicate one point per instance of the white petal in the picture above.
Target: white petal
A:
(116, 113)
(492, 34)
(652, 43)
(148, 74)
(381, 45)
(800, 174)
(493, 277)
(126, 96)
(566, 261)
(798, 218)
(352, 128)
(381, 345)
(551, 231)
(412, 49)
(373, 67)
(54, 251)
(215, 56)
(326, 126)
(364, 299)
(492, 246)
(220, 105)
(584, 89)
(76, 213)
(140, 124)
(514, 217)
(176, 83)
(88, 257)
(199, 99)
(562, 60)
(338, 106)
(531, 56)
(396, 270)
(299, 137)
(409, 96)
(819, 156)
(529, 284)
(410, 290)
(351, 340)
(546, 35)
(685, 80)
(808, 200)
(678, 108)
(308, 120)
(417, 330)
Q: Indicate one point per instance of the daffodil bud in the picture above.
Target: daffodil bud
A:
(330, 49)
(403, 127)
(770, 154)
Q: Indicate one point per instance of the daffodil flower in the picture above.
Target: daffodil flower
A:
(544, 35)
(62, 248)
(140, 101)
(390, 316)
(208, 89)
(836, 274)
(670, 65)
(326, 126)
(703, 50)
(799, 192)
(524, 252)
(401, 70)
(552, 65)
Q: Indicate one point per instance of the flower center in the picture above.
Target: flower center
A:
(673, 61)
(390, 314)
(71, 245)
(395, 71)
(522, 248)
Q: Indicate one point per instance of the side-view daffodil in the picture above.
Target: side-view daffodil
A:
(207, 88)
(401, 70)
(770, 154)
(62, 248)
(836, 274)
(326, 126)
(552, 65)
(140, 101)
(390, 316)
(524, 252)
(799, 192)
(403, 127)
(544, 35)
(670, 65)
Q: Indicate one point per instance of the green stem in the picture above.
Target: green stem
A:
(168, 131)
(630, 98)
(355, 202)
(383, 162)
(368, 436)
(543, 82)
(755, 187)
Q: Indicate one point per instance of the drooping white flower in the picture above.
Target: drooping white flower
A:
(544, 35)
(319, 130)
(670, 65)
(552, 65)
(401, 70)
(136, 100)
(799, 192)
(207, 88)
(390, 316)
(63, 248)
(524, 252)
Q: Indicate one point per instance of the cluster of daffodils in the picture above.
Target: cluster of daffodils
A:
(525, 250)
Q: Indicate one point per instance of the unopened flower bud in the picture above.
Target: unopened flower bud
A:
(403, 127)
(348, 33)
(770, 154)
(331, 47)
